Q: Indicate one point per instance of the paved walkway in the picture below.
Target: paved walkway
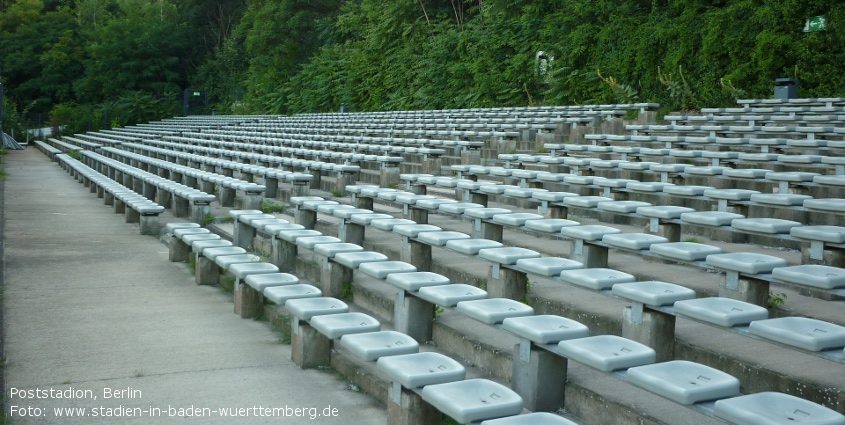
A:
(93, 307)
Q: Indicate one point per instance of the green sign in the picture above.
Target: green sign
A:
(196, 93)
(816, 23)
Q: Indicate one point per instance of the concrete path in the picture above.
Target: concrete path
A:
(93, 307)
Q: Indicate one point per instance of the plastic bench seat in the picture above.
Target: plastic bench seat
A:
(686, 190)
(451, 295)
(306, 308)
(420, 369)
(764, 225)
(780, 199)
(684, 251)
(746, 173)
(274, 229)
(648, 186)
(170, 227)
(388, 223)
(414, 230)
(366, 219)
(332, 249)
(772, 408)
(547, 266)
(801, 332)
(434, 203)
(330, 208)
(471, 246)
(746, 262)
(458, 207)
(260, 282)
(595, 279)
(588, 233)
(473, 400)
(414, 281)
(539, 418)
(293, 235)
(832, 234)
(354, 259)
(545, 329)
(552, 196)
(309, 242)
(653, 292)
(371, 346)
(623, 207)
(684, 382)
(189, 239)
(607, 352)
(381, 269)
(832, 204)
(667, 212)
(710, 218)
(281, 294)
(585, 201)
(441, 238)
(494, 310)
(705, 171)
(507, 255)
(485, 213)
(550, 225)
(243, 270)
(334, 326)
(818, 276)
(721, 311)
(521, 192)
(200, 246)
(635, 241)
(515, 219)
(837, 180)
(731, 194)
(185, 231)
(213, 253)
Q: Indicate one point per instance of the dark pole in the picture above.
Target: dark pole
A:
(2, 135)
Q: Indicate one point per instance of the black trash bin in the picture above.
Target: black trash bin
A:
(786, 88)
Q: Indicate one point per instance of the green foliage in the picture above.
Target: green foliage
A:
(207, 220)
(347, 293)
(74, 154)
(776, 300)
(270, 207)
(337, 194)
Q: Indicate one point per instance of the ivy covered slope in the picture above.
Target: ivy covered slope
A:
(382, 55)
(123, 61)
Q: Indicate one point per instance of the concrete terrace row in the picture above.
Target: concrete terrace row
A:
(545, 293)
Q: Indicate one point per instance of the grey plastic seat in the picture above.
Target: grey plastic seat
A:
(588, 233)
(309, 242)
(607, 352)
(373, 345)
(189, 239)
(260, 282)
(226, 261)
(585, 201)
(684, 382)
(334, 326)
(347, 213)
(185, 231)
(772, 408)
(243, 270)
(388, 223)
(686, 190)
(538, 418)
(515, 219)
(623, 207)
(764, 225)
(366, 219)
(494, 310)
(381, 269)
(711, 218)
(332, 249)
(595, 279)
(281, 294)
(473, 400)
(200, 246)
(170, 227)
(274, 229)
(801, 332)
(550, 225)
(547, 266)
(451, 295)
(306, 308)
(433, 203)
(420, 369)
(730, 194)
(545, 329)
(818, 276)
(746, 262)
(413, 281)
(684, 251)
(471, 246)
(833, 204)
(458, 207)
(832, 234)
(653, 292)
(721, 311)
(293, 235)
(507, 255)
(552, 196)
(780, 199)
(635, 241)
(353, 260)
(441, 238)
(667, 212)
(414, 230)
(485, 213)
